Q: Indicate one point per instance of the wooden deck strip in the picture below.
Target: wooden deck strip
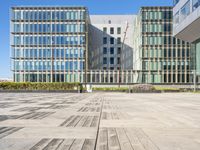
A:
(102, 142)
(41, 144)
(77, 144)
(88, 121)
(8, 131)
(113, 141)
(66, 144)
(89, 144)
(123, 140)
(53, 144)
(67, 120)
(74, 121)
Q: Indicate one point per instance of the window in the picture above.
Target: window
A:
(111, 40)
(185, 10)
(104, 50)
(111, 60)
(17, 15)
(195, 4)
(16, 27)
(105, 29)
(167, 27)
(176, 19)
(176, 2)
(104, 40)
(112, 50)
(118, 30)
(119, 50)
(118, 60)
(118, 40)
(111, 30)
(104, 60)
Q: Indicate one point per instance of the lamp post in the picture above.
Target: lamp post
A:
(194, 79)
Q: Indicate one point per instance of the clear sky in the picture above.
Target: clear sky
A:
(94, 6)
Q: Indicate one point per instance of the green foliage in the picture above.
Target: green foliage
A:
(167, 89)
(39, 86)
(110, 89)
(143, 88)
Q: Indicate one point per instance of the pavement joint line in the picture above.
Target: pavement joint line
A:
(98, 127)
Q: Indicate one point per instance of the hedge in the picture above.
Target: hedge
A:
(39, 86)
(110, 89)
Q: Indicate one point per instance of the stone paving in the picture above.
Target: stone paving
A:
(99, 121)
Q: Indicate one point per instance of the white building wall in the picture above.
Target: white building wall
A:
(98, 22)
(187, 28)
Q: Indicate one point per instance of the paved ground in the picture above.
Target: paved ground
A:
(103, 121)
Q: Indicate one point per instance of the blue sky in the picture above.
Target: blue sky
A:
(94, 6)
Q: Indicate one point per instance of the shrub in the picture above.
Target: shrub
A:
(110, 89)
(143, 88)
(39, 86)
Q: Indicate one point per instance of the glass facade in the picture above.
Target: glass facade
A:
(189, 7)
(48, 44)
(195, 4)
(176, 2)
(195, 56)
(185, 10)
(164, 59)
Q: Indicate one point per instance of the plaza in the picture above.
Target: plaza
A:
(100, 121)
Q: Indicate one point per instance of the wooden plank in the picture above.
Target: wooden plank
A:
(102, 143)
(95, 121)
(66, 144)
(67, 121)
(145, 140)
(77, 144)
(74, 121)
(123, 140)
(113, 142)
(5, 129)
(41, 144)
(114, 115)
(88, 121)
(8, 131)
(82, 121)
(89, 144)
(135, 142)
(53, 144)
(103, 115)
(109, 116)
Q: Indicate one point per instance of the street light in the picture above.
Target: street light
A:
(194, 79)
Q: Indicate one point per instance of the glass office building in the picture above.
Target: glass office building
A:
(186, 27)
(161, 57)
(49, 44)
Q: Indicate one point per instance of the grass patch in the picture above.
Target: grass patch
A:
(166, 88)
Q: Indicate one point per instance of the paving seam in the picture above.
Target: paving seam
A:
(98, 127)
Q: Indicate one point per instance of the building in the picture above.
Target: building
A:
(49, 44)
(186, 27)
(110, 49)
(161, 57)
(6, 80)
(108, 32)
(65, 44)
